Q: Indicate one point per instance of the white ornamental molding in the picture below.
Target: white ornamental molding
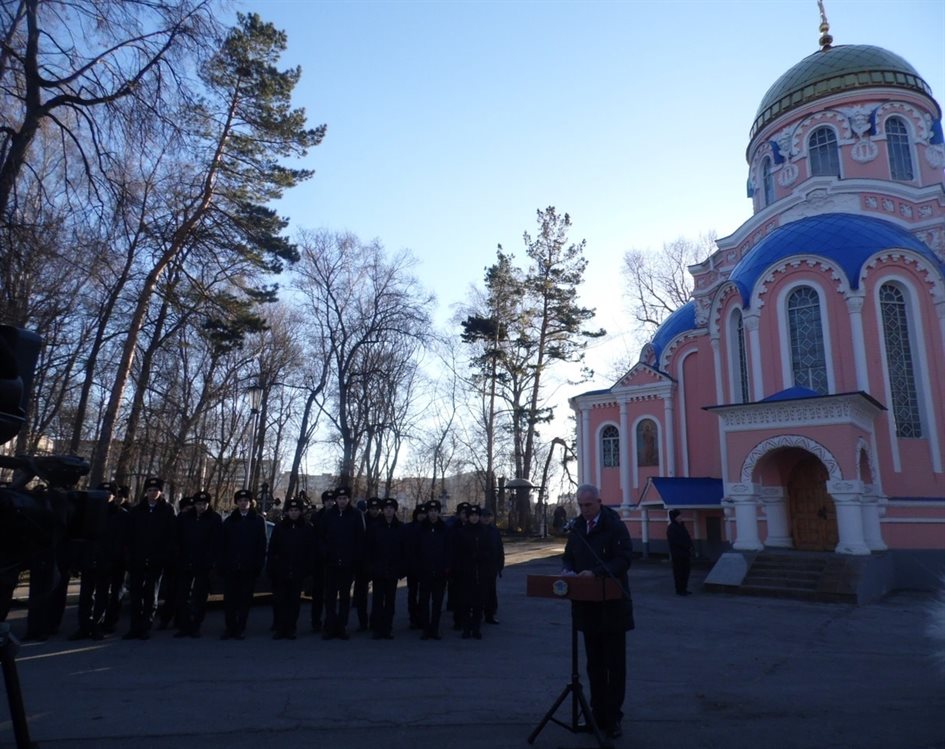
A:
(744, 489)
(799, 413)
(845, 491)
(864, 151)
(935, 155)
(790, 440)
(901, 258)
(810, 261)
(859, 117)
(828, 116)
(788, 175)
(677, 342)
(921, 121)
(720, 303)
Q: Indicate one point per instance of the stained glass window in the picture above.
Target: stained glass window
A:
(742, 357)
(808, 362)
(899, 365)
(897, 145)
(823, 152)
(768, 179)
(610, 447)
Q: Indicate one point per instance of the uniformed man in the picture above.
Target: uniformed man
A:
(151, 549)
(387, 562)
(472, 557)
(290, 561)
(241, 562)
(97, 560)
(412, 531)
(200, 540)
(318, 573)
(169, 595)
(362, 576)
(343, 542)
(432, 554)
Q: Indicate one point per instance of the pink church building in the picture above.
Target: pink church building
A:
(797, 401)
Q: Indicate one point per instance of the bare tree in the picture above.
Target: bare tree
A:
(368, 314)
(660, 283)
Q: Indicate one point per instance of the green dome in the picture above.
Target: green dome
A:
(836, 69)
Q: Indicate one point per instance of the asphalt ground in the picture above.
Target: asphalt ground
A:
(708, 670)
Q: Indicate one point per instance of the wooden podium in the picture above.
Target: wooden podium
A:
(573, 588)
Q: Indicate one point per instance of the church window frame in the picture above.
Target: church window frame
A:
(899, 149)
(767, 181)
(609, 446)
(738, 359)
(792, 339)
(900, 360)
(823, 152)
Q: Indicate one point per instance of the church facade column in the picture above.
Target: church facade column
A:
(584, 427)
(855, 308)
(625, 456)
(848, 499)
(872, 508)
(750, 320)
(743, 499)
(774, 502)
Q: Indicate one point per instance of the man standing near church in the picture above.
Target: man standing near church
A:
(680, 549)
(599, 546)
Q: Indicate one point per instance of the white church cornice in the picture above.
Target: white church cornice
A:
(856, 409)
(934, 281)
(817, 263)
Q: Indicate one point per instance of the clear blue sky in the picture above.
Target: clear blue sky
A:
(450, 123)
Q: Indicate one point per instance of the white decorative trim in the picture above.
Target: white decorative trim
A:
(852, 409)
(790, 440)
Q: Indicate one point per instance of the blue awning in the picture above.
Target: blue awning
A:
(697, 493)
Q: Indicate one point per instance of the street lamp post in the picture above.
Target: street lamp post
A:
(521, 488)
(255, 399)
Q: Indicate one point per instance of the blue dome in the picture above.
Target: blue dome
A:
(843, 238)
(680, 321)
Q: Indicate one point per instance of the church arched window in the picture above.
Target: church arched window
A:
(610, 447)
(823, 153)
(898, 148)
(808, 363)
(768, 179)
(900, 368)
(648, 452)
(740, 357)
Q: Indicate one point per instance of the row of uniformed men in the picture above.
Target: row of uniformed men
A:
(172, 557)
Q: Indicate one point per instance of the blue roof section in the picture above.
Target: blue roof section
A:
(680, 321)
(791, 394)
(689, 492)
(843, 238)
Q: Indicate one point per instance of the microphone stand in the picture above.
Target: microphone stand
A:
(579, 704)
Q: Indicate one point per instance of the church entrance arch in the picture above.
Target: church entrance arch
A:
(812, 510)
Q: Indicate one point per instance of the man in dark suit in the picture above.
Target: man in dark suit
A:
(599, 545)
(152, 535)
(241, 562)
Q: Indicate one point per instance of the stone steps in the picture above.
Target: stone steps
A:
(812, 576)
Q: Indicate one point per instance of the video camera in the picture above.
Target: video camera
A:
(34, 518)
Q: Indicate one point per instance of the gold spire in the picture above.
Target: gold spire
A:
(825, 39)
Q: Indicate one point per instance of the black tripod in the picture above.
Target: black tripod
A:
(8, 648)
(579, 705)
